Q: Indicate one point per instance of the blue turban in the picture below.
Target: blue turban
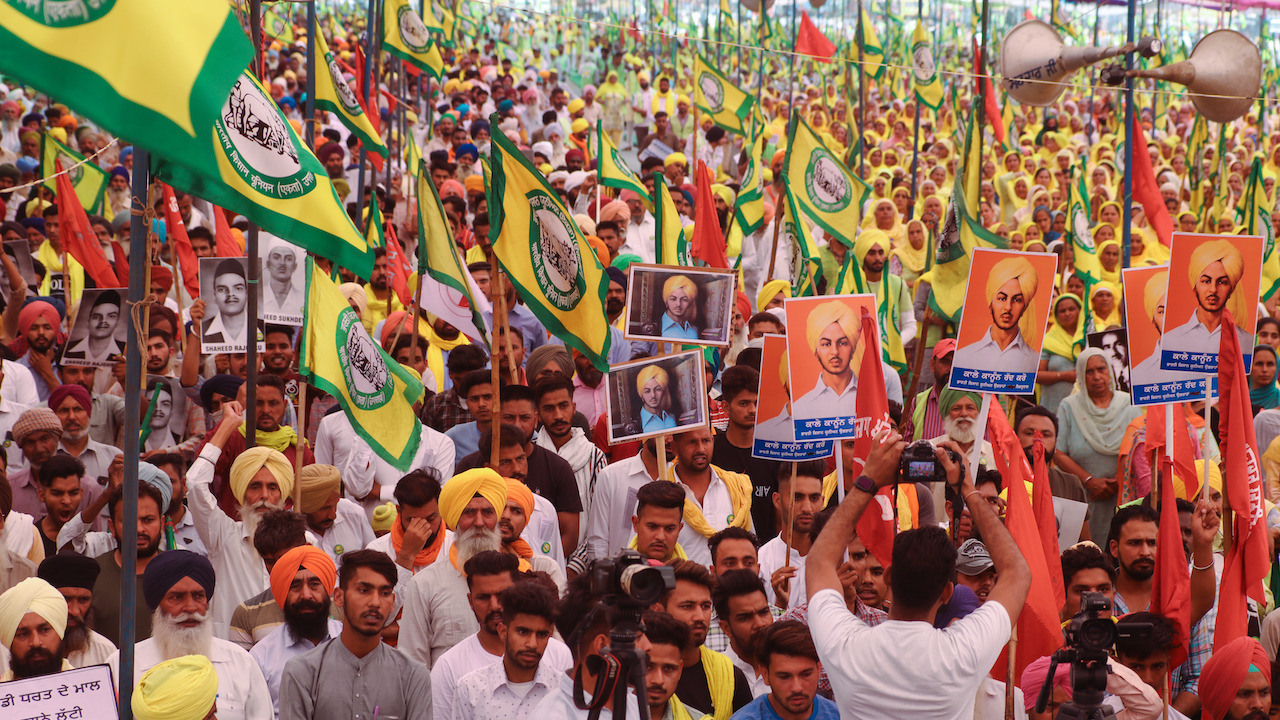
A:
(158, 479)
(168, 568)
(225, 385)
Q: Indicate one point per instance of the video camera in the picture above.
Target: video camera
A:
(1090, 636)
(919, 463)
(629, 579)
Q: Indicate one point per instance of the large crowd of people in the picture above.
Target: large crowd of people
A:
(287, 570)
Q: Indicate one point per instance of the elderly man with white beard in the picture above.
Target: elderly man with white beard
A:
(959, 411)
(437, 615)
(178, 587)
(261, 479)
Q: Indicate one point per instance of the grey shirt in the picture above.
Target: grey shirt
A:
(329, 683)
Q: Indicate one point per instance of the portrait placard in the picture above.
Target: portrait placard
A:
(655, 396)
(825, 348)
(1145, 298)
(168, 421)
(1001, 332)
(101, 328)
(1208, 276)
(774, 436)
(666, 303)
(20, 252)
(86, 693)
(1114, 344)
(224, 287)
(283, 287)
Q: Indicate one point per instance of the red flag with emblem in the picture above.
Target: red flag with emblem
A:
(876, 526)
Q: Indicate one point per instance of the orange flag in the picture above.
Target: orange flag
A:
(1046, 521)
(1184, 459)
(78, 237)
(811, 41)
(876, 527)
(1145, 188)
(1171, 585)
(708, 239)
(225, 244)
(177, 231)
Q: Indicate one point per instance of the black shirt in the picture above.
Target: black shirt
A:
(694, 693)
(106, 602)
(764, 483)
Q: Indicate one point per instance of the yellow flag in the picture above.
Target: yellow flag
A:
(89, 180)
(872, 51)
(375, 391)
(408, 38)
(545, 255)
(725, 103)
(924, 72)
(335, 95)
(614, 172)
(673, 248)
(749, 212)
(823, 188)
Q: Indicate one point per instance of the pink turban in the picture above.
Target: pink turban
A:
(1035, 675)
(37, 309)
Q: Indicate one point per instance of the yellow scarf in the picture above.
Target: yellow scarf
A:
(73, 281)
(676, 554)
(740, 492)
(280, 439)
(719, 671)
(678, 710)
(1057, 340)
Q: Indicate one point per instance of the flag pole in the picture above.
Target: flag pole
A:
(499, 321)
(1010, 667)
(791, 518)
(862, 98)
(312, 31)
(915, 141)
(370, 29)
(777, 223)
(300, 447)
(251, 255)
(1130, 138)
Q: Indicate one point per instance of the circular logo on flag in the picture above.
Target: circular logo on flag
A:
(557, 262)
(63, 14)
(346, 96)
(72, 167)
(825, 182)
(922, 65)
(412, 32)
(712, 91)
(369, 381)
(258, 143)
(1080, 227)
(749, 181)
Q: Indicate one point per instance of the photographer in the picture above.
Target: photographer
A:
(879, 671)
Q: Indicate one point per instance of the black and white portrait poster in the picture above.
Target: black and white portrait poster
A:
(1114, 345)
(19, 251)
(282, 289)
(99, 334)
(224, 286)
(168, 419)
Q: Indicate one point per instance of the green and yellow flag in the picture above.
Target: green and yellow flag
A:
(823, 188)
(262, 170)
(1078, 232)
(158, 92)
(806, 264)
(1257, 221)
(545, 255)
(89, 180)
(335, 95)
(408, 38)
(339, 358)
(872, 50)
(277, 27)
(924, 72)
(614, 172)
(672, 247)
(1060, 21)
(749, 211)
(728, 105)
(447, 287)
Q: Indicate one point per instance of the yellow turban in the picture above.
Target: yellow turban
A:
(649, 373)
(679, 282)
(1102, 286)
(383, 516)
(254, 459)
(32, 595)
(1014, 268)
(831, 311)
(725, 193)
(868, 239)
(318, 482)
(183, 688)
(521, 494)
(1154, 292)
(771, 288)
(674, 158)
(354, 292)
(1216, 251)
(462, 487)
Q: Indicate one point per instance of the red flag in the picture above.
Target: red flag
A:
(121, 263)
(1171, 585)
(990, 105)
(374, 118)
(177, 230)
(78, 238)
(1039, 630)
(398, 264)
(1000, 432)
(708, 239)
(876, 527)
(1184, 459)
(225, 244)
(1248, 560)
(1145, 188)
(811, 41)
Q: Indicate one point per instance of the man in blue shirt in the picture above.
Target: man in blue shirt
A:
(787, 655)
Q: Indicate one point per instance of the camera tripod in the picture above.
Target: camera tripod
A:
(1088, 685)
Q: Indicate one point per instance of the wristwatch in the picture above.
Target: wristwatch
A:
(865, 484)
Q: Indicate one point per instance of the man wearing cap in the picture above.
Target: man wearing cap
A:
(184, 688)
(33, 620)
(260, 479)
(341, 524)
(74, 576)
(74, 408)
(99, 344)
(926, 419)
(974, 568)
(38, 432)
(833, 332)
(279, 294)
(302, 582)
(178, 587)
(436, 614)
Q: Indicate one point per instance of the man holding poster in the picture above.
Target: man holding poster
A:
(1215, 269)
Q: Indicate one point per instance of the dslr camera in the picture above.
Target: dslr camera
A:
(630, 580)
(919, 463)
(1090, 632)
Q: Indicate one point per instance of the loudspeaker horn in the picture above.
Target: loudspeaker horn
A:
(754, 5)
(1035, 62)
(1223, 74)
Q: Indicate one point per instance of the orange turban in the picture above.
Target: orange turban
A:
(303, 556)
(520, 493)
(1222, 675)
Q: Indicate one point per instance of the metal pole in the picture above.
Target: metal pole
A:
(138, 263)
(862, 100)
(370, 30)
(312, 31)
(915, 140)
(1130, 137)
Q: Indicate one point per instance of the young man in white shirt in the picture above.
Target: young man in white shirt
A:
(878, 671)
(800, 500)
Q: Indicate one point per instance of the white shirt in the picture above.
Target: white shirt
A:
(986, 354)
(384, 546)
(10, 411)
(758, 684)
(242, 691)
(96, 458)
(437, 615)
(716, 508)
(613, 504)
(274, 650)
(1193, 337)
(95, 653)
(824, 402)
(542, 532)
(486, 694)
(988, 704)
(468, 656)
(241, 573)
(337, 444)
(350, 531)
(640, 238)
(951, 663)
(771, 558)
(19, 386)
(558, 704)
